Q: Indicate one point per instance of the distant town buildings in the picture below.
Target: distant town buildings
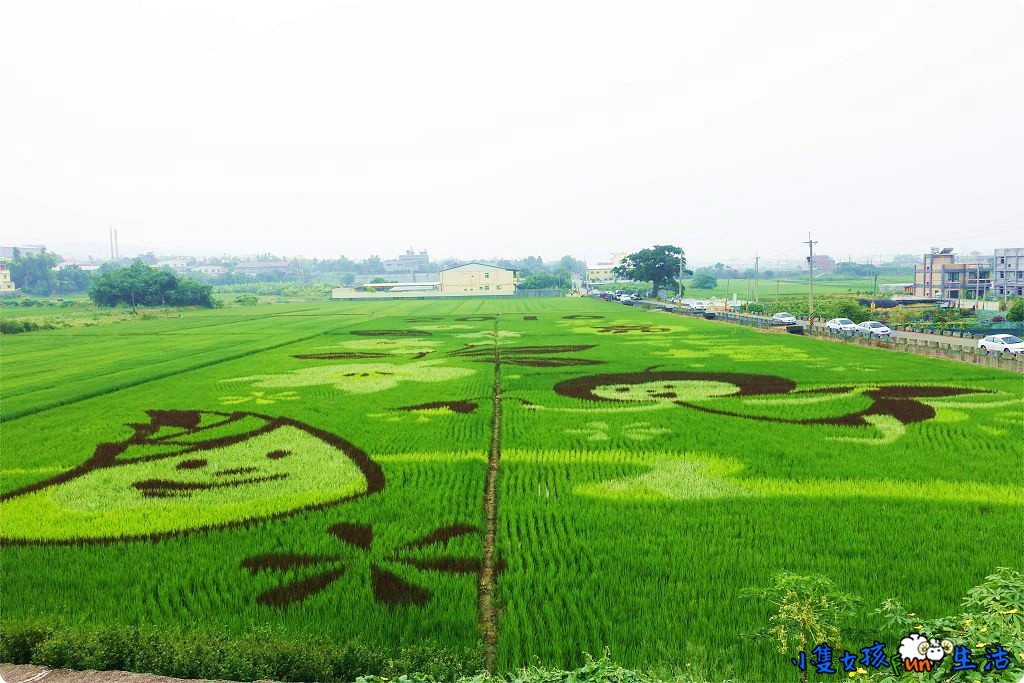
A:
(1008, 272)
(942, 276)
(409, 262)
(68, 263)
(468, 279)
(210, 270)
(178, 265)
(23, 249)
(823, 263)
(258, 267)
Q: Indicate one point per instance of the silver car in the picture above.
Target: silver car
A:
(841, 325)
(783, 318)
(874, 328)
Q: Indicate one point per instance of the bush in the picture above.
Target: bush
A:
(702, 281)
(1016, 311)
(262, 655)
(19, 326)
(993, 613)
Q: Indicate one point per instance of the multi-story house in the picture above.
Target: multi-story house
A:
(941, 276)
(1008, 272)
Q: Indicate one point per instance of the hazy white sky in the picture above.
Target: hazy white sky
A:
(480, 128)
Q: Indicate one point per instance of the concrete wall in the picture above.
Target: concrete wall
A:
(950, 351)
(350, 294)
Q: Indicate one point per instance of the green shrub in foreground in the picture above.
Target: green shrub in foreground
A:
(263, 655)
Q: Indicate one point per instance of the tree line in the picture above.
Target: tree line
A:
(34, 273)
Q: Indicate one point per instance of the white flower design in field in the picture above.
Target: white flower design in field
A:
(359, 378)
(442, 328)
(260, 398)
(635, 431)
(488, 336)
(385, 345)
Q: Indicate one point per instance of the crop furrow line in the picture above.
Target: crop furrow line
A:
(488, 568)
(152, 378)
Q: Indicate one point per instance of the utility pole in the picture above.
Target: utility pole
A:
(757, 278)
(680, 273)
(810, 283)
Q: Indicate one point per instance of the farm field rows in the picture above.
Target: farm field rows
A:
(322, 471)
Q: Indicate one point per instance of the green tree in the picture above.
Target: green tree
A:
(572, 265)
(557, 280)
(703, 281)
(659, 264)
(71, 279)
(1016, 312)
(805, 611)
(140, 285)
(33, 273)
(373, 265)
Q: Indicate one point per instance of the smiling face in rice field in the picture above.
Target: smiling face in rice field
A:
(712, 392)
(664, 391)
(189, 470)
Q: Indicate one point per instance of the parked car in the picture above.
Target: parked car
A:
(783, 318)
(874, 328)
(1002, 342)
(697, 307)
(841, 325)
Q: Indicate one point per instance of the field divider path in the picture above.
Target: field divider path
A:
(488, 568)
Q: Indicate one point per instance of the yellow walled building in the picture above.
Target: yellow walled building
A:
(602, 272)
(6, 286)
(478, 279)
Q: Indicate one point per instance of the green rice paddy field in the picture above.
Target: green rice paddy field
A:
(335, 470)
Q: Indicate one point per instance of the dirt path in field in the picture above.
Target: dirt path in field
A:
(30, 673)
(488, 569)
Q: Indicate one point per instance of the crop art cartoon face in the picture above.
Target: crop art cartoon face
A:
(189, 470)
(762, 397)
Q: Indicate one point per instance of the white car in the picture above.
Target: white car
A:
(697, 307)
(874, 328)
(841, 325)
(783, 318)
(1002, 342)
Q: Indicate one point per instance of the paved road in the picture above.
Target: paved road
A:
(819, 328)
(28, 673)
(10, 673)
(956, 341)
